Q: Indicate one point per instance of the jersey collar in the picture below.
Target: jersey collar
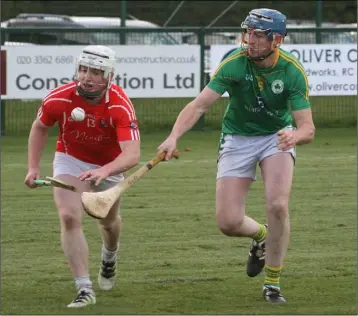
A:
(277, 53)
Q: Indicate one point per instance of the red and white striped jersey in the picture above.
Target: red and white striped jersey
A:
(96, 138)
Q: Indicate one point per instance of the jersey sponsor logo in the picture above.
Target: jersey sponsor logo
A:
(83, 137)
(260, 107)
(253, 109)
(277, 86)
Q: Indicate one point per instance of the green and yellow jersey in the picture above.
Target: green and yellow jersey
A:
(260, 98)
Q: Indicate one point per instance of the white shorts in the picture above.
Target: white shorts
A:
(239, 155)
(66, 164)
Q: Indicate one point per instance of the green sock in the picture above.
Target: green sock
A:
(272, 276)
(261, 234)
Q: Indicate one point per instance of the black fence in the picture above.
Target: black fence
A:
(160, 113)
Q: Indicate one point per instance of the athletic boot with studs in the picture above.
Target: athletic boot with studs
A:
(107, 275)
(273, 295)
(84, 297)
(256, 260)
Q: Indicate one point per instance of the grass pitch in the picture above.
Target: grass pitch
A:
(173, 259)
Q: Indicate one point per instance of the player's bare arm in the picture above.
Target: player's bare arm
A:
(36, 144)
(304, 133)
(187, 119)
(193, 111)
(128, 159)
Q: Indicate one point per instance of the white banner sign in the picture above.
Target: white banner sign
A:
(331, 69)
(142, 71)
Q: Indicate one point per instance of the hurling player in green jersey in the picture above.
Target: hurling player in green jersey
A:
(267, 89)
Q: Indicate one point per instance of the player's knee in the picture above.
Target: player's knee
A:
(111, 224)
(229, 226)
(69, 218)
(278, 208)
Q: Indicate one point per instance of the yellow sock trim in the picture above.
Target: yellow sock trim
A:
(272, 276)
(273, 269)
(261, 234)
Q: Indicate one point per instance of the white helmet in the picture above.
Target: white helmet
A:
(97, 57)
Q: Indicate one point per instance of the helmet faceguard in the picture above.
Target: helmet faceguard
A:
(96, 57)
(270, 23)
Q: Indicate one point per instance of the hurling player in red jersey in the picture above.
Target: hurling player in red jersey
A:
(91, 154)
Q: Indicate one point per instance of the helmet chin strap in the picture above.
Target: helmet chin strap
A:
(260, 58)
(88, 94)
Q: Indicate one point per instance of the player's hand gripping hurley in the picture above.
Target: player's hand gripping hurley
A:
(55, 183)
(98, 204)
